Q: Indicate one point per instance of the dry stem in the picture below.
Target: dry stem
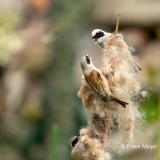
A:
(117, 24)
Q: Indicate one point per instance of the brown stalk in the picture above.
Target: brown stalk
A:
(117, 24)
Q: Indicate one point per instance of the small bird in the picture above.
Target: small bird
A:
(97, 82)
(100, 37)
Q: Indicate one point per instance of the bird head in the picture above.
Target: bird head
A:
(86, 62)
(100, 36)
(72, 142)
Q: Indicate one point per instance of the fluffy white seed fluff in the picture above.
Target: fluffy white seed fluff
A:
(118, 65)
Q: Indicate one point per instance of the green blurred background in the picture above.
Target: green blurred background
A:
(41, 42)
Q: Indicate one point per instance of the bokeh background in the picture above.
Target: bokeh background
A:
(41, 43)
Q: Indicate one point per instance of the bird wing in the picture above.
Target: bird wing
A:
(95, 82)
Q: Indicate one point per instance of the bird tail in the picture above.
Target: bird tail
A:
(122, 103)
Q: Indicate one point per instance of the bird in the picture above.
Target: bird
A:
(97, 81)
(100, 37)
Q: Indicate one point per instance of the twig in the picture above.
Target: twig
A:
(117, 24)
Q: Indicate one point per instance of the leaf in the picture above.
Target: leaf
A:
(53, 142)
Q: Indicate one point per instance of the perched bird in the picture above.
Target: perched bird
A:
(97, 82)
(100, 37)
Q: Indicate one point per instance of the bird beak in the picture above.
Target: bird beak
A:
(95, 40)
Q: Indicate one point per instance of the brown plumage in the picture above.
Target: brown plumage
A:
(98, 82)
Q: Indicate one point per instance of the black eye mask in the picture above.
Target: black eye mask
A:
(98, 35)
(87, 60)
(74, 142)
